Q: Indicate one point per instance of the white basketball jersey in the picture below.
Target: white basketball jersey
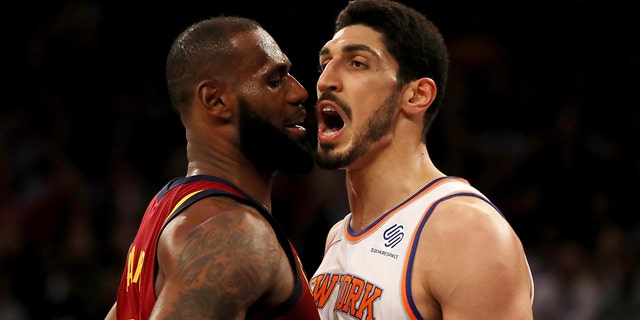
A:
(367, 274)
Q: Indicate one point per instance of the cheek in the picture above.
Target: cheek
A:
(368, 94)
(262, 101)
(249, 89)
(378, 83)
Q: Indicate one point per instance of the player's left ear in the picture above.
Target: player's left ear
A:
(213, 96)
(418, 95)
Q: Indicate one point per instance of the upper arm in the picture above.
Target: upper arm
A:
(216, 259)
(475, 263)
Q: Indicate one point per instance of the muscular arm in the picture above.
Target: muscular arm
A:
(216, 259)
(472, 264)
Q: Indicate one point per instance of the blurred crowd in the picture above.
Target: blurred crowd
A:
(541, 114)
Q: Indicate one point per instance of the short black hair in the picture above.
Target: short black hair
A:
(411, 38)
(202, 50)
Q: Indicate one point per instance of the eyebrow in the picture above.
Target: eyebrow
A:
(350, 48)
(280, 68)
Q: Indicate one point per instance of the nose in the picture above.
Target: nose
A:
(298, 94)
(328, 81)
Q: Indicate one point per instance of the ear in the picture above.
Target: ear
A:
(211, 96)
(419, 95)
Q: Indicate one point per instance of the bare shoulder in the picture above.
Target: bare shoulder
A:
(470, 258)
(473, 217)
(217, 257)
(331, 235)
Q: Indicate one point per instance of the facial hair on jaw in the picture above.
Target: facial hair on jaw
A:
(378, 125)
(268, 147)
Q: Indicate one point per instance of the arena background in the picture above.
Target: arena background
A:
(541, 113)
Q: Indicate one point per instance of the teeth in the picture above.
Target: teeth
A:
(327, 133)
(328, 109)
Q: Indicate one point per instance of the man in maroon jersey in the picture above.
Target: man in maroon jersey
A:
(208, 246)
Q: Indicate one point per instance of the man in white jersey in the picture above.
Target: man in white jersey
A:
(418, 244)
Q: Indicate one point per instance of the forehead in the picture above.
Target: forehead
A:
(357, 35)
(258, 50)
(269, 46)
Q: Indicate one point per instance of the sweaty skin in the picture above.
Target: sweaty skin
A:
(224, 256)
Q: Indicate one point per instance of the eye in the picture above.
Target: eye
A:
(358, 65)
(322, 65)
(276, 82)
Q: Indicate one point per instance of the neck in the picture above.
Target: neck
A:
(238, 171)
(385, 182)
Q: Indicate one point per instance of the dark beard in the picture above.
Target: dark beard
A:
(268, 147)
(377, 127)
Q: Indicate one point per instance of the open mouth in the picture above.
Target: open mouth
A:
(331, 120)
(297, 122)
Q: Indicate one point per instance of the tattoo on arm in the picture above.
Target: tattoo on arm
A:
(224, 263)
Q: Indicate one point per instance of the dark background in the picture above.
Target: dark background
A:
(541, 114)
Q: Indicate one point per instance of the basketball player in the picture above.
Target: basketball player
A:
(417, 244)
(208, 246)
